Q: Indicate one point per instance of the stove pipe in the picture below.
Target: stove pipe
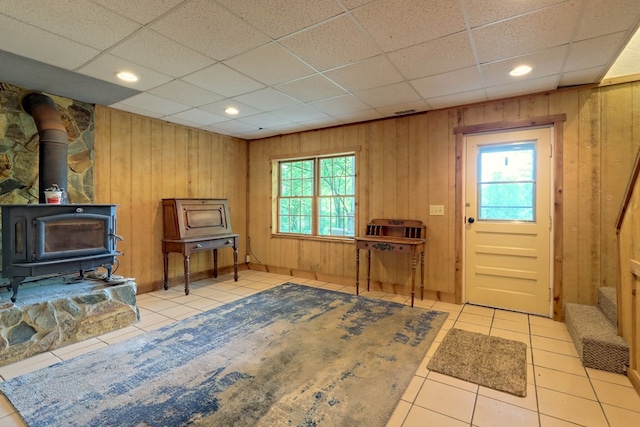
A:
(53, 142)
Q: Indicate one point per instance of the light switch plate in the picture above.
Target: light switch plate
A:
(436, 209)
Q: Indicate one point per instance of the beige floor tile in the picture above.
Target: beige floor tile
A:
(620, 417)
(204, 304)
(412, 390)
(149, 319)
(547, 421)
(494, 413)
(440, 335)
(446, 400)
(570, 408)
(83, 350)
(242, 290)
(511, 325)
(179, 312)
(157, 304)
(554, 332)
(478, 310)
(511, 316)
(511, 335)
(71, 348)
(399, 414)
(425, 303)
(422, 370)
(448, 324)
(475, 319)
(546, 322)
(452, 381)
(12, 420)
(530, 401)
(575, 385)
(158, 325)
(433, 349)
(5, 407)
(617, 395)
(560, 362)
(28, 365)
(422, 417)
(122, 337)
(609, 377)
(554, 346)
(446, 306)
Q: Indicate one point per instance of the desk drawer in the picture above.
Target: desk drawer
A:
(209, 244)
(385, 246)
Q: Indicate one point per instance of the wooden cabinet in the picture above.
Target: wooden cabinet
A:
(192, 225)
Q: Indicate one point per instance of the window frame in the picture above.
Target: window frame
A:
(315, 215)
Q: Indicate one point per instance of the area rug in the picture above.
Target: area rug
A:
(292, 355)
(493, 362)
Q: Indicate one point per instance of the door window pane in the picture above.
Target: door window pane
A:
(506, 184)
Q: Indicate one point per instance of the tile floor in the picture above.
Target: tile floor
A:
(561, 392)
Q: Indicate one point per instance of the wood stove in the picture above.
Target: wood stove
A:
(42, 239)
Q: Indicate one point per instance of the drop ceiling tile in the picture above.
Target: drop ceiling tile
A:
(79, 20)
(267, 99)
(265, 120)
(278, 18)
(300, 113)
(434, 57)
(352, 4)
(543, 63)
(523, 88)
(106, 66)
(321, 123)
(553, 27)
(388, 21)
(185, 93)
(154, 104)
(388, 95)
(221, 79)
(340, 105)
(583, 76)
(313, 88)
(199, 116)
(601, 18)
(317, 45)
(219, 107)
(367, 74)
(270, 64)
(231, 127)
(42, 46)
(487, 11)
(593, 52)
(404, 108)
(458, 81)
(142, 11)
(136, 110)
(627, 62)
(209, 28)
(159, 53)
(457, 99)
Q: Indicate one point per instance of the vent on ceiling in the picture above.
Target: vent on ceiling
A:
(403, 112)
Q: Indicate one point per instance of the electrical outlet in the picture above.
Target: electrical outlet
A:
(247, 258)
(436, 209)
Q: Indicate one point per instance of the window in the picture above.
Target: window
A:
(316, 196)
(506, 184)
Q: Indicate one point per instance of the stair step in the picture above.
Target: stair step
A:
(608, 304)
(596, 339)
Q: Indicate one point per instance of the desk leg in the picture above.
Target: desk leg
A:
(165, 261)
(422, 275)
(413, 277)
(357, 271)
(186, 274)
(235, 263)
(368, 269)
(215, 263)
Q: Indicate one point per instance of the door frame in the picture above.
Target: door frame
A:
(556, 121)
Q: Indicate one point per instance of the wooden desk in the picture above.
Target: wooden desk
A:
(187, 246)
(192, 225)
(394, 235)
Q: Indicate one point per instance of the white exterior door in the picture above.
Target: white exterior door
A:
(508, 220)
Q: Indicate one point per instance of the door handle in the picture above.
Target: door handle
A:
(471, 220)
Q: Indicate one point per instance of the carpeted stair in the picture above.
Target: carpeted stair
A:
(594, 332)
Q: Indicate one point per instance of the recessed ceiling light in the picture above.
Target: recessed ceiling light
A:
(520, 70)
(127, 76)
(231, 110)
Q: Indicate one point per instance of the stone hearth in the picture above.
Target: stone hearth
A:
(53, 313)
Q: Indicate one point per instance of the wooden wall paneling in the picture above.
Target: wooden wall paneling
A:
(568, 102)
(405, 188)
(438, 190)
(617, 160)
(156, 195)
(534, 106)
(142, 203)
(450, 213)
(589, 182)
(473, 115)
(121, 191)
(494, 112)
(260, 191)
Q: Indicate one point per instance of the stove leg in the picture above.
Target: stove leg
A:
(15, 282)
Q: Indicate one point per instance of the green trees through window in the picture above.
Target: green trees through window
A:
(317, 196)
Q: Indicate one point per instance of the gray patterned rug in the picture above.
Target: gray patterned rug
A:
(289, 356)
(492, 362)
